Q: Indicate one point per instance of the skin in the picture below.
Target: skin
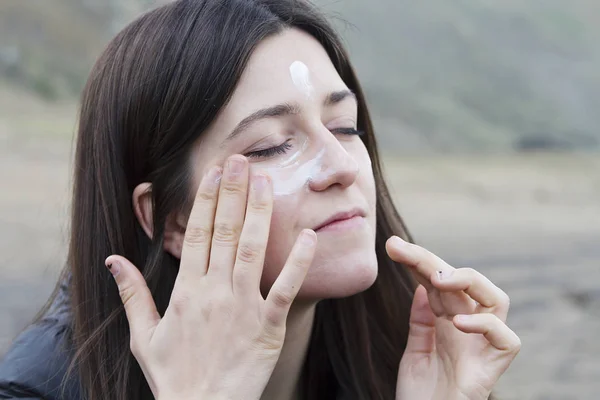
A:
(459, 343)
(345, 263)
(237, 256)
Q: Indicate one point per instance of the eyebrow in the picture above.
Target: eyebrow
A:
(285, 109)
(337, 97)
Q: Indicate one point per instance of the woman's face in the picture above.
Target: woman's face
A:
(301, 131)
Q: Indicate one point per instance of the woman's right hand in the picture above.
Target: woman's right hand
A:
(219, 338)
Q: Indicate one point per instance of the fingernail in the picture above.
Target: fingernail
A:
(113, 266)
(445, 274)
(215, 174)
(235, 165)
(308, 238)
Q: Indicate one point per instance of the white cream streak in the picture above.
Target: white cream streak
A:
(301, 77)
(292, 178)
(293, 175)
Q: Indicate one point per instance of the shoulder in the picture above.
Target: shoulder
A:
(36, 363)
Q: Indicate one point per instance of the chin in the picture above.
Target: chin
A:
(344, 276)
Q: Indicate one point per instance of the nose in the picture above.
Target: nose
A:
(338, 168)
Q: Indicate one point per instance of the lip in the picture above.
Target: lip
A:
(340, 217)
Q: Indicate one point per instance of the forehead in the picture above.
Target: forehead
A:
(267, 79)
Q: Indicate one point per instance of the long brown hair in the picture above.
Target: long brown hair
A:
(158, 85)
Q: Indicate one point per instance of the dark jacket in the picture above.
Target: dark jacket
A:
(36, 363)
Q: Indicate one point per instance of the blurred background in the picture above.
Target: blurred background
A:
(487, 113)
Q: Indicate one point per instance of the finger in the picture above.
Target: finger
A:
(425, 265)
(421, 335)
(422, 262)
(286, 286)
(138, 302)
(454, 303)
(255, 235)
(229, 217)
(492, 328)
(198, 233)
(392, 248)
(477, 286)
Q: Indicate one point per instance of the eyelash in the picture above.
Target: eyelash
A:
(284, 147)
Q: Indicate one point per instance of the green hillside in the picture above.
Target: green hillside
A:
(441, 75)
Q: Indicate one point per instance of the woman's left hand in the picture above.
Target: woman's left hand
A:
(458, 344)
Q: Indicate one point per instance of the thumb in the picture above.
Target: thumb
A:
(421, 334)
(136, 297)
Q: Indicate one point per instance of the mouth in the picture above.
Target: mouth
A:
(342, 220)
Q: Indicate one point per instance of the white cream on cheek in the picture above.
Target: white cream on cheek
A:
(299, 168)
(296, 172)
(290, 178)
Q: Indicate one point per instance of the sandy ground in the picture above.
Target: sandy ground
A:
(530, 222)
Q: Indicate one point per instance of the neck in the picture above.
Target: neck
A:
(285, 379)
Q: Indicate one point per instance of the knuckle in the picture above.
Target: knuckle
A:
(282, 299)
(232, 188)
(272, 324)
(270, 340)
(249, 252)
(516, 345)
(196, 236)
(220, 303)
(491, 320)
(260, 205)
(205, 196)
(180, 302)
(225, 233)
(127, 293)
(468, 275)
(504, 299)
(303, 261)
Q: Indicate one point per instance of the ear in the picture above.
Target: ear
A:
(174, 225)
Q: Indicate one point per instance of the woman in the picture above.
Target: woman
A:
(227, 165)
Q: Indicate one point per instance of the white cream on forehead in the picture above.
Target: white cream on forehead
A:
(301, 77)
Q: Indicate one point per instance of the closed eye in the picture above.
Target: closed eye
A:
(348, 131)
(270, 152)
(285, 146)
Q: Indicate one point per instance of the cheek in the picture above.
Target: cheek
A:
(365, 179)
(286, 226)
(370, 188)
(282, 236)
